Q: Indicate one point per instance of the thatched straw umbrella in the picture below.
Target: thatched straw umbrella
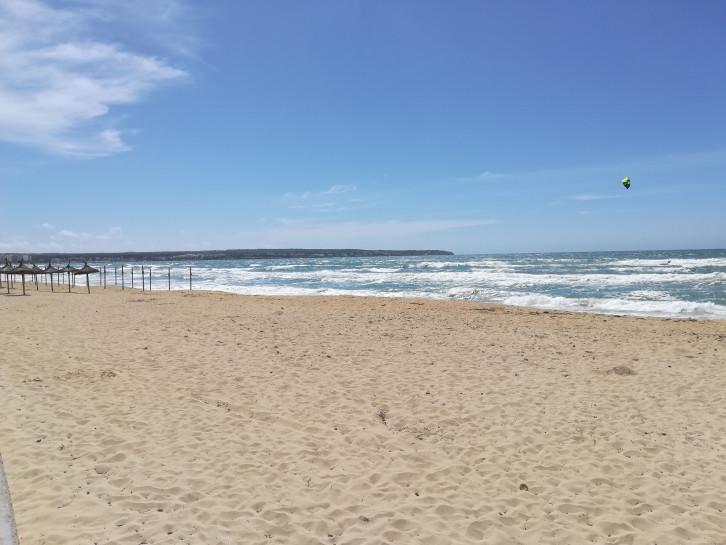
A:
(36, 271)
(50, 269)
(6, 269)
(3, 269)
(70, 270)
(22, 270)
(87, 270)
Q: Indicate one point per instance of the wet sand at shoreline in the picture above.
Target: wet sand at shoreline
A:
(202, 417)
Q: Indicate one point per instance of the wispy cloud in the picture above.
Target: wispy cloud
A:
(66, 240)
(325, 201)
(113, 233)
(58, 82)
(166, 24)
(336, 189)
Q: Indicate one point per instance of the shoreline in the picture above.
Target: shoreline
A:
(160, 416)
(80, 288)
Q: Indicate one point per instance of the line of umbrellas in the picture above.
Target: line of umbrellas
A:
(23, 270)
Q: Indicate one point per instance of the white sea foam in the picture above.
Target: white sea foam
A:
(672, 262)
(663, 309)
(604, 283)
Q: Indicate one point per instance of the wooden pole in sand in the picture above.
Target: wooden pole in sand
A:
(149, 278)
(169, 278)
(190, 279)
(122, 277)
(143, 279)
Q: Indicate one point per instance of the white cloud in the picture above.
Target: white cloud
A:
(112, 233)
(333, 190)
(65, 240)
(58, 84)
(339, 189)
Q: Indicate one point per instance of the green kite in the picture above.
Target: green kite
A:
(626, 183)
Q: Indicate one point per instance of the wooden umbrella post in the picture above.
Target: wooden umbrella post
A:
(88, 270)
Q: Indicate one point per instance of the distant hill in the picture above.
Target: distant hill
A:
(197, 255)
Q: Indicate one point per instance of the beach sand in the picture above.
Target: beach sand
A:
(196, 417)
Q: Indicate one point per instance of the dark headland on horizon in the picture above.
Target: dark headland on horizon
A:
(197, 255)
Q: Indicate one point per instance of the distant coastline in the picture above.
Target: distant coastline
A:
(213, 255)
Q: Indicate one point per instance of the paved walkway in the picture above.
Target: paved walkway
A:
(8, 532)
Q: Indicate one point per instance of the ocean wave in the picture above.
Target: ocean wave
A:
(662, 309)
(693, 284)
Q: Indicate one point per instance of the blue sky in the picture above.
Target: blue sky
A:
(472, 126)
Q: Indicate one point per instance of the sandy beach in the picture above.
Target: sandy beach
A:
(196, 417)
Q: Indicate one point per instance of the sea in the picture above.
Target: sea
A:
(687, 284)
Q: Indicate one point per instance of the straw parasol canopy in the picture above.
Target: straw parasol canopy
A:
(87, 270)
(36, 271)
(70, 270)
(6, 269)
(22, 270)
(50, 269)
